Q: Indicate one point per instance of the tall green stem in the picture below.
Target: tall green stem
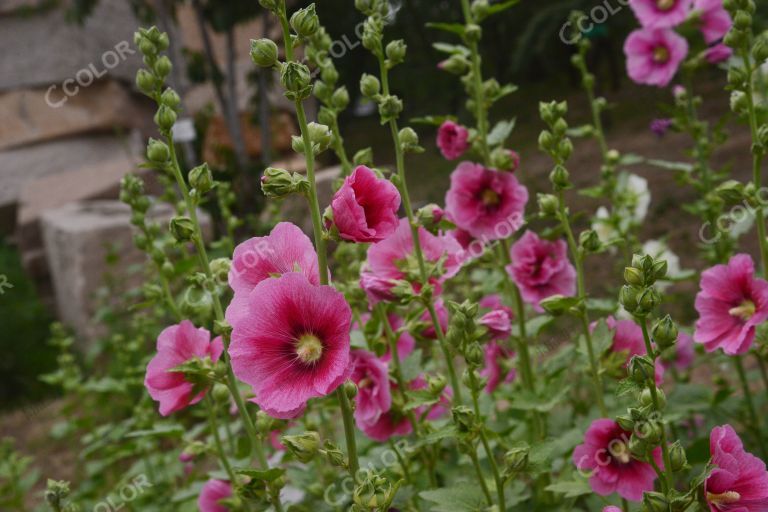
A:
(486, 445)
(753, 417)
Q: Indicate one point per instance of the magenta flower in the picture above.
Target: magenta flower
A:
(488, 204)
(405, 342)
(292, 344)
(442, 318)
(661, 13)
(452, 139)
(541, 269)
(731, 303)
(628, 340)
(498, 322)
(717, 53)
(211, 495)
(684, 353)
(285, 249)
(740, 481)
(605, 455)
(612, 508)
(373, 395)
(497, 368)
(654, 55)
(714, 20)
(660, 126)
(176, 345)
(387, 261)
(365, 207)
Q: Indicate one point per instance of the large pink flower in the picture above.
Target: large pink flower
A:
(373, 398)
(731, 303)
(654, 55)
(212, 493)
(497, 368)
(292, 344)
(393, 259)
(661, 13)
(365, 207)
(628, 340)
(452, 139)
(715, 21)
(605, 454)
(498, 322)
(541, 269)
(176, 345)
(740, 482)
(488, 204)
(285, 249)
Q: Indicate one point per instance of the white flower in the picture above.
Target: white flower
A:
(638, 195)
(602, 226)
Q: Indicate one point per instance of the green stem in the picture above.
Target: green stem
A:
(657, 407)
(753, 417)
(624, 505)
(339, 149)
(478, 470)
(349, 431)
(481, 114)
(486, 445)
(763, 370)
(217, 438)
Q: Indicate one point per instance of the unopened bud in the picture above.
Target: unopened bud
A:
(305, 21)
(201, 178)
(264, 52)
(303, 446)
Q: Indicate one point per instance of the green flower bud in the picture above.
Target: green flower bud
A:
(305, 21)
(677, 457)
(455, 64)
(628, 298)
(613, 156)
(363, 157)
(730, 191)
(665, 332)
(163, 66)
(560, 178)
(263, 52)
(334, 454)
(329, 73)
(390, 108)
(659, 269)
(303, 446)
(647, 301)
(626, 423)
(409, 140)
(182, 228)
(436, 384)
(516, 460)
(646, 398)
(395, 51)
(473, 33)
(589, 241)
(340, 98)
(325, 115)
(743, 20)
(220, 393)
(739, 102)
(170, 98)
(296, 79)
(637, 447)
(760, 49)
(145, 81)
(147, 47)
(277, 183)
(369, 85)
(165, 118)
(641, 369)
(220, 269)
(162, 41)
(157, 151)
(474, 354)
(480, 9)
(350, 389)
(320, 135)
(201, 178)
(549, 204)
(271, 5)
(429, 216)
(634, 276)
(196, 303)
(264, 422)
(655, 502)
(464, 418)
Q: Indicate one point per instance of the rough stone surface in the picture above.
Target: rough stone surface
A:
(78, 237)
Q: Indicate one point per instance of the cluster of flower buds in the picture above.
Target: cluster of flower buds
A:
(279, 183)
(151, 80)
(638, 296)
(302, 446)
(555, 142)
(375, 492)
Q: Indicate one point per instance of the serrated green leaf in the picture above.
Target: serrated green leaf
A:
(462, 497)
(570, 488)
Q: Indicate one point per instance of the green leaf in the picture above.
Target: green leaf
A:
(418, 398)
(454, 28)
(501, 132)
(671, 166)
(266, 475)
(559, 304)
(462, 497)
(432, 120)
(631, 159)
(584, 130)
(451, 49)
(570, 488)
(162, 429)
(501, 6)
(411, 366)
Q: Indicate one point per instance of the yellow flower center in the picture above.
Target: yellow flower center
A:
(620, 451)
(661, 54)
(490, 197)
(309, 348)
(665, 5)
(744, 311)
(724, 498)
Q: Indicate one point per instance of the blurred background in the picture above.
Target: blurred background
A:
(72, 124)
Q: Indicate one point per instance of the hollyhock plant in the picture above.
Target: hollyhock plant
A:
(661, 13)
(541, 269)
(628, 340)
(211, 495)
(497, 368)
(452, 139)
(291, 343)
(373, 398)
(714, 20)
(365, 207)
(605, 454)
(488, 204)
(739, 481)
(731, 304)
(654, 55)
(177, 345)
(389, 260)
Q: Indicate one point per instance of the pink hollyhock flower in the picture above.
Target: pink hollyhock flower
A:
(442, 318)
(718, 53)
(661, 13)
(405, 342)
(387, 259)
(498, 322)
(541, 269)
(628, 339)
(452, 139)
(740, 482)
(605, 454)
(176, 345)
(654, 55)
(373, 396)
(211, 495)
(515, 157)
(441, 407)
(714, 20)
(365, 207)
(292, 344)
(660, 126)
(496, 370)
(731, 303)
(612, 508)
(684, 353)
(488, 204)
(285, 249)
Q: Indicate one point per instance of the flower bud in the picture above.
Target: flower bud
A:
(626, 423)
(145, 81)
(474, 354)
(363, 157)
(505, 159)
(634, 276)
(409, 140)
(320, 135)
(637, 446)
(646, 398)
(436, 384)
(430, 215)
(549, 204)
(201, 179)
(516, 459)
(303, 446)
(473, 32)
(329, 74)
(464, 418)
(665, 332)
(296, 79)
(263, 52)
(182, 228)
(641, 369)
(264, 422)
(760, 49)
(628, 298)
(480, 9)
(165, 118)
(277, 183)
(334, 454)
(369, 85)
(157, 151)
(340, 98)
(271, 5)
(395, 51)
(455, 64)
(647, 301)
(560, 178)
(220, 269)
(730, 191)
(390, 108)
(659, 269)
(196, 303)
(350, 389)
(170, 98)
(305, 21)
(677, 457)
(655, 502)
(220, 393)
(743, 20)
(589, 241)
